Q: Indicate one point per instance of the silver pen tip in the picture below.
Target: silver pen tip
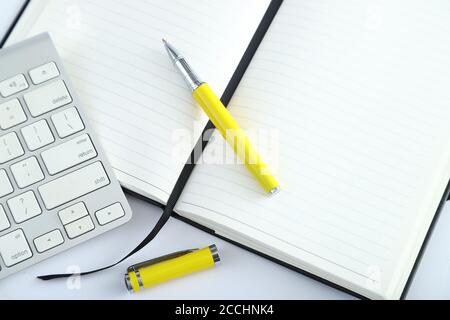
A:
(172, 52)
(182, 66)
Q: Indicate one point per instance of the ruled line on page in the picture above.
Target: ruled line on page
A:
(367, 155)
(295, 234)
(135, 32)
(287, 133)
(369, 100)
(140, 179)
(126, 150)
(332, 214)
(277, 218)
(310, 197)
(142, 67)
(325, 92)
(282, 240)
(113, 129)
(142, 81)
(161, 165)
(380, 90)
(147, 133)
(147, 15)
(144, 107)
(90, 41)
(252, 105)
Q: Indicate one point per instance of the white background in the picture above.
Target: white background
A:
(240, 275)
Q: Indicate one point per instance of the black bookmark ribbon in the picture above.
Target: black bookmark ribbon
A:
(153, 233)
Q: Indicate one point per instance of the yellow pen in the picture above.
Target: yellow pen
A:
(150, 273)
(224, 122)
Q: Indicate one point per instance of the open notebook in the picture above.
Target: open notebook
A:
(350, 100)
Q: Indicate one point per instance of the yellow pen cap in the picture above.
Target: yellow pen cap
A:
(172, 266)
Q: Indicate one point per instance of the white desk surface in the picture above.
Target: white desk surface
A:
(241, 275)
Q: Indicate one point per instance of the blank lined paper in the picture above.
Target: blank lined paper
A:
(356, 95)
(137, 102)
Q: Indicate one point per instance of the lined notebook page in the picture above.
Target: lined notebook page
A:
(137, 102)
(351, 100)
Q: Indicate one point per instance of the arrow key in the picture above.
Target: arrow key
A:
(48, 241)
(79, 227)
(109, 214)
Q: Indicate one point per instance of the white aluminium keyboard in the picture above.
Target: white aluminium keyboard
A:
(56, 186)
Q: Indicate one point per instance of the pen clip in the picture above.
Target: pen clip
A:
(154, 261)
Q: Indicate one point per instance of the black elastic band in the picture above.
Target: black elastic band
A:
(174, 195)
(161, 222)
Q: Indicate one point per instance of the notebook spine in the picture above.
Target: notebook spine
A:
(13, 24)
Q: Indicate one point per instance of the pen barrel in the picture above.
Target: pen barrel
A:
(235, 136)
(146, 277)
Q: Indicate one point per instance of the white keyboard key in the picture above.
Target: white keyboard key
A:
(44, 73)
(14, 248)
(73, 213)
(13, 85)
(11, 114)
(37, 135)
(5, 184)
(4, 222)
(10, 147)
(79, 227)
(48, 241)
(24, 207)
(69, 154)
(47, 98)
(27, 172)
(109, 214)
(67, 122)
(73, 185)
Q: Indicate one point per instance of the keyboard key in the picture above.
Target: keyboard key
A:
(67, 122)
(24, 207)
(69, 154)
(37, 135)
(73, 185)
(27, 172)
(79, 227)
(14, 248)
(48, 241)
(4, 222)
(5, 184)
(10, 147)
(47, 98)
(44, 73)
(109, 214)
(73, 213)
(11, 114)
(13, 85)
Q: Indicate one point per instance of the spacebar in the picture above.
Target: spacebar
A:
(73, 185)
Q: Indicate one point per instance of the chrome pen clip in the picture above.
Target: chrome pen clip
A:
(154, 261)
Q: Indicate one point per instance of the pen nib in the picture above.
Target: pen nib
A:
(182, 66)
(171, 51)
